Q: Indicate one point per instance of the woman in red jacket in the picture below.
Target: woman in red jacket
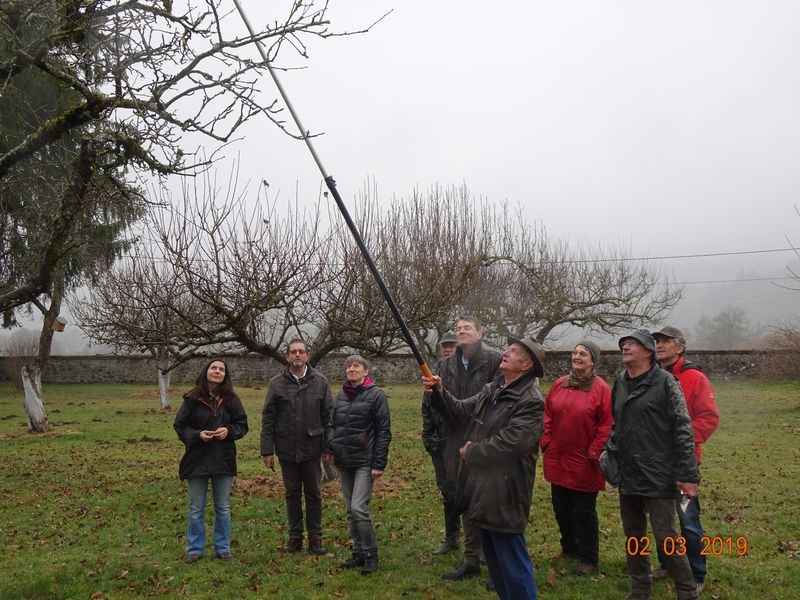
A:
(577, 422)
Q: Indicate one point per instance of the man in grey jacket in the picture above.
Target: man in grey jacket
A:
(295, 424)
(653, 444)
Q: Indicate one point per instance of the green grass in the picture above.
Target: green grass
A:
(96, 507)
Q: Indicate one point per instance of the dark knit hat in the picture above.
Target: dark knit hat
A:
(643, 337)
(593, 349)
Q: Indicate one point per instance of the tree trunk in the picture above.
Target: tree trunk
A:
(163, 388)
(34, 407)
(32, 373)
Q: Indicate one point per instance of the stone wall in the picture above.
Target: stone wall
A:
(254, 370)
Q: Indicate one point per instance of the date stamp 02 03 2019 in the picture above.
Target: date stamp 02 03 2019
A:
(716, 545)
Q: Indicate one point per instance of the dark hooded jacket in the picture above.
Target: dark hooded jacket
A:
(440, 436)
(503, 424)
(199, 413)
(295, 421)
(652, 435)
(361, 428)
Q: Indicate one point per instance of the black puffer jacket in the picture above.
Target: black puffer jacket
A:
(438, 435)
(652, 435)
(361, 428)
(199, 413)
(504, 424)
(295, 421)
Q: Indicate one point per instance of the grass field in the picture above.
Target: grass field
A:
(95, 509)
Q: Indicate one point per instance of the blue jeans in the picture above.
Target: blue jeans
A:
(510, 566)
(196, 528)
(357, 491)
(692, 531)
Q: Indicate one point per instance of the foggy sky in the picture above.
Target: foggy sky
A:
(660, 128)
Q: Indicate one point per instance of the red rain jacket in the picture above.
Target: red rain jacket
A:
(577, 424)
(700, 402)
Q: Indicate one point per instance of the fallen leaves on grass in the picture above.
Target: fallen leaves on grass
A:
(791, 548)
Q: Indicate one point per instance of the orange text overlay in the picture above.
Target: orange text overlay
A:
(676, 546)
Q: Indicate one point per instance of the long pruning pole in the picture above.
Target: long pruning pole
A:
(329, 181)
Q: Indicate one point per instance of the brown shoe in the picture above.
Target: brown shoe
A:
(586, 569)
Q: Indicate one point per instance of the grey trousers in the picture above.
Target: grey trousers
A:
(357, 492)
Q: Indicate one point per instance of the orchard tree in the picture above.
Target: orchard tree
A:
(106, 91)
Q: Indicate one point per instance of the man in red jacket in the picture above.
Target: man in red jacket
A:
(699, 394)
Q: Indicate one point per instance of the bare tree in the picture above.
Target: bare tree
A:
(141, 306)
(139, 75)
(539, 285)
(251, 268)
(125, 81)
(429, 249)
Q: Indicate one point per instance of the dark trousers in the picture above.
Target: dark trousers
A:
(452, 513)
(634, 510)
(692, 531)
(576, 515)
(510, 566)
(303, 479)
(447, 487)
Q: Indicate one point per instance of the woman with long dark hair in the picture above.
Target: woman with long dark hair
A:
(208, 423)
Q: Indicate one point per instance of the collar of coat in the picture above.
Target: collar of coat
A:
(476, 359)
(213, 403)
(681, 365)
(310, 372)
(351, 391)
(643, 382)
(514, 390)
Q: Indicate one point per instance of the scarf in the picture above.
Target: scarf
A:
(351, 390)
(580, 383)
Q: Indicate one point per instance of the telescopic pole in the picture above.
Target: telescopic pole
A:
(329, 181)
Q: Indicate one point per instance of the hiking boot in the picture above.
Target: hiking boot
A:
(190, 558)
(370, 563)
(465, 570)
(355, 561)
(224, 555)
(448, 544)
(294, 545)
(315, 546)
